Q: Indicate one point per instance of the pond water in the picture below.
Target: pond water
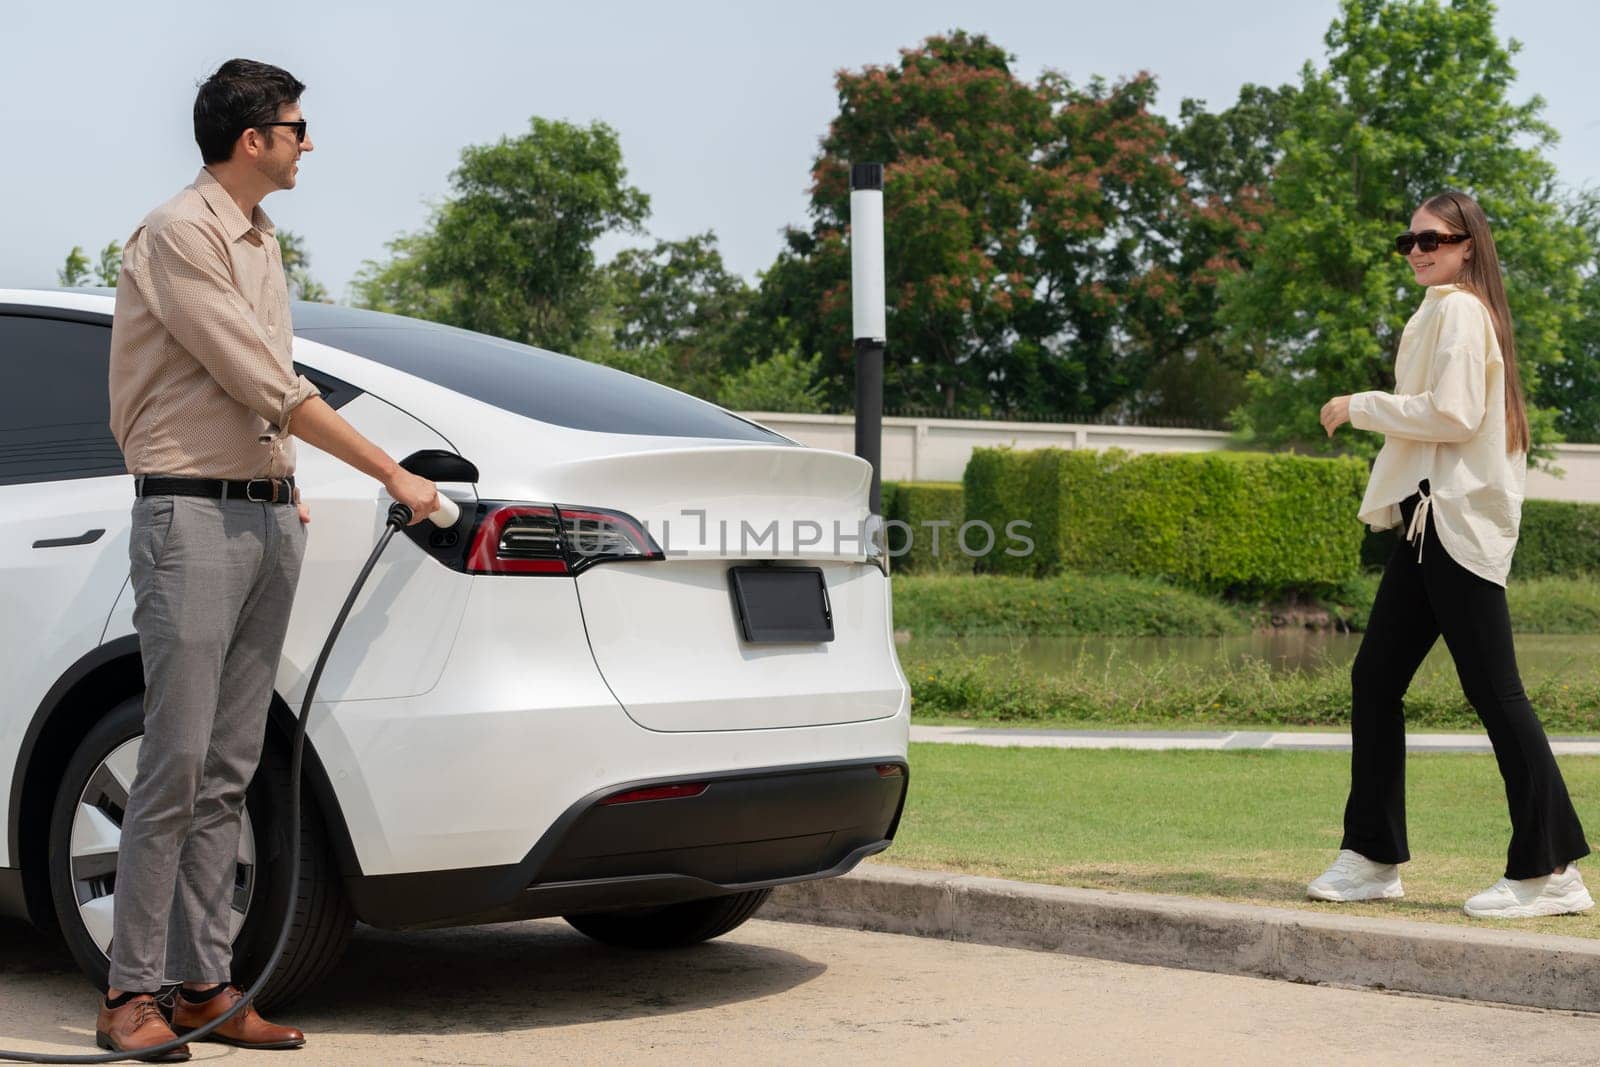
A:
(1538, 655)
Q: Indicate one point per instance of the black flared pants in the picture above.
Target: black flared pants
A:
(1416, 603)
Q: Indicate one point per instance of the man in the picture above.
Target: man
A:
(204, 399)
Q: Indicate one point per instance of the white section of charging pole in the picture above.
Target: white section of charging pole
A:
(869, 312)
(866, 265)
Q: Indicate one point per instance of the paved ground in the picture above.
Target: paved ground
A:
(780, 993)
(1216, 739)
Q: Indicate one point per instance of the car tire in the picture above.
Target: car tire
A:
(322, 921)
(672, 925)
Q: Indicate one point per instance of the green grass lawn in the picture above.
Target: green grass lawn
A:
(1251, 826)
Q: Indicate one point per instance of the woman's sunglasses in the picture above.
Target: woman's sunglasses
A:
(1427, 240)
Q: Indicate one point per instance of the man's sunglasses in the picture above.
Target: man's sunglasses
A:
(298, 125)
(1427, 240)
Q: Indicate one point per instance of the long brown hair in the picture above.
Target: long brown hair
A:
(1480, 275)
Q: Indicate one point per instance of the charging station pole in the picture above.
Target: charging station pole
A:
(867, 306)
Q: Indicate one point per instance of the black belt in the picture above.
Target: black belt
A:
(256, 490)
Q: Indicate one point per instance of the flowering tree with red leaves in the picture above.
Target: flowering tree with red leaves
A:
(1030, 231)
(1227, 157)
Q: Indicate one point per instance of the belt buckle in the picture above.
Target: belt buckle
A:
(249, 491)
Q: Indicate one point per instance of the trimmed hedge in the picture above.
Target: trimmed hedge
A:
(1248, 523)
(916, 503)
(1557, 538)
(1241, 542)
(1003, 486)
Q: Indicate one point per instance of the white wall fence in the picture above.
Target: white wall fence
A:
(936, 450)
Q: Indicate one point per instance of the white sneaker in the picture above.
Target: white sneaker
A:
(1523, 898)
(1354, 877)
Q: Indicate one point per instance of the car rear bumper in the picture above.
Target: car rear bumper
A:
(747, 830)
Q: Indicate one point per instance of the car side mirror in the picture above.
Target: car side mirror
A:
(437, 465)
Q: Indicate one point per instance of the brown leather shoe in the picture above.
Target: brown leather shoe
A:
(135, 1026)
(246, 1029)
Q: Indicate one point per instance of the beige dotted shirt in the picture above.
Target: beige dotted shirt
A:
(202, 375)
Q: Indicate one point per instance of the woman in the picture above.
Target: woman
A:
(1451, 476)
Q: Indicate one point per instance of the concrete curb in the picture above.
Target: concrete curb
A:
(1475, 963)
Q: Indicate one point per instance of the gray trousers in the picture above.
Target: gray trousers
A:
(213, 582)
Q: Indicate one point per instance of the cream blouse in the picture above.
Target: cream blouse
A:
(1446, 422)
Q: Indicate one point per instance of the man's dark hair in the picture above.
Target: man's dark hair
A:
(241, 94)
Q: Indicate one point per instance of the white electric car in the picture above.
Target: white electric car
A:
(649, 675)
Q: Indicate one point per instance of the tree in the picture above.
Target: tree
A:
(1414, 100)
(297, 269)
(1227, 159)
(1106, 238)
(1571, 385)
(399, 285)
(1025, 224)
(783, 382)
(678, 298)
(109, 269)
(511, 251)
(75, 271)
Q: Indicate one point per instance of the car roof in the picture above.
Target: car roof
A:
(618, 400)
(306, 314)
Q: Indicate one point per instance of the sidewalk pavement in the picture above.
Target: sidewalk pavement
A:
(1215, 739)
(1485, 961)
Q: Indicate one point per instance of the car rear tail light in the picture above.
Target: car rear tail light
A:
(656, 792)
(518, 540)
(877, 543)
(594, 534)
(890, 770)
(554, 539)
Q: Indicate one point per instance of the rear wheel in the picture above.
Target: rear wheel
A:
(86, 831)
(672, 925)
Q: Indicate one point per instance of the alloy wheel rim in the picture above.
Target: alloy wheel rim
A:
(97, 833)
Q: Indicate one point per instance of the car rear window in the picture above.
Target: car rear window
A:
(519, 378)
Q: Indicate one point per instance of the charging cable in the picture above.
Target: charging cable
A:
(399, 517)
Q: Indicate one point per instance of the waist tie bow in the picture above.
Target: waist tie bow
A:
(1417, 531)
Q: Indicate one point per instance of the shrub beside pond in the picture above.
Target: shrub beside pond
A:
(999, 688)
(1557, 537)
(1248, 522)
(1113, 605)
(1117, 605)
(917, 505)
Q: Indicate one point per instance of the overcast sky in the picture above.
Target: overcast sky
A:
(719, 106)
